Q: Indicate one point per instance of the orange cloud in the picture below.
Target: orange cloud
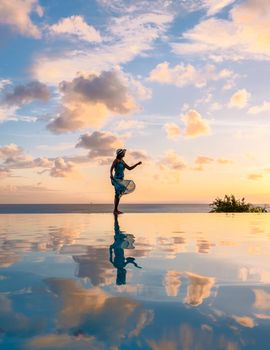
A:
(16, 14)
(264, 107)
(239, 99)
(244, 35)
(182, 75)
(100, 144)
(89, 101)
(254, 176)
(62, 168)
(172, 130)
(172, 160)
(75, 26)
(195, 124)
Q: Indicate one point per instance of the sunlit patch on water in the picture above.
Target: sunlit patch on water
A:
(146, 281)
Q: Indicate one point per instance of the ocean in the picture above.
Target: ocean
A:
(101, 208)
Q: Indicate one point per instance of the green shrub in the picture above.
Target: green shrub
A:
(229, 204)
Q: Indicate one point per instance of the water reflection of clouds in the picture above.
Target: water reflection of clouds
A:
(7, 258)
(172, 283)
(97, 313)
(204, 246)
(262, 299)
(12, 248)
(187, 336)
(199, 288)
(244, 321)
(94, 265)
(251, 274)
(59, 236)
(171, 246)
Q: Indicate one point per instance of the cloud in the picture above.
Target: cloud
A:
(195, 124)
(172, 130)
(16, 14)
(81, 308)
(100, 144)
(75, 26)
(14, 157)
(23, 94)
(89, 101)
(215, 6)
(10, 113)
(129, 6)
(4, 172)
(127, 36)
(108, 88)
(224, 161)
(138, 154)
(239, 99)
(200, 161)
(24, 161)
(264, 107)
(182, 75)
(172, 160)
(4, 82)
(179, 6)
(62, 168)
(244, 35)
(10, 150)
(255, 176)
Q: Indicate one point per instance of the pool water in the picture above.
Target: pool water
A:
(142, 281)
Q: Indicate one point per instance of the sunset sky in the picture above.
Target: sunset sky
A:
(182, 84)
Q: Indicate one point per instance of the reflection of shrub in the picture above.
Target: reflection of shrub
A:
(229, 204)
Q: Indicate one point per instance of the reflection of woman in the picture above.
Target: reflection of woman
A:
(121, 186)
(121, 241)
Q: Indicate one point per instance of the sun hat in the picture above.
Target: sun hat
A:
(120, 151)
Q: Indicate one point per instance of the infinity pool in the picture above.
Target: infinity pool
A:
(144, 281)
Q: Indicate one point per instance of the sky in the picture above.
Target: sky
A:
(183, 85)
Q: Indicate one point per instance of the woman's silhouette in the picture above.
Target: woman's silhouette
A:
(121, 241)
(121, 186)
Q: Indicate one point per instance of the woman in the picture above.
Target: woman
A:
(121, 186)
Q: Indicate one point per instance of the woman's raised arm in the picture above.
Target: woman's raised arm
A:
(131, 167)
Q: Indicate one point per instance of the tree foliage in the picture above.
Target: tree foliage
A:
(229, 204)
